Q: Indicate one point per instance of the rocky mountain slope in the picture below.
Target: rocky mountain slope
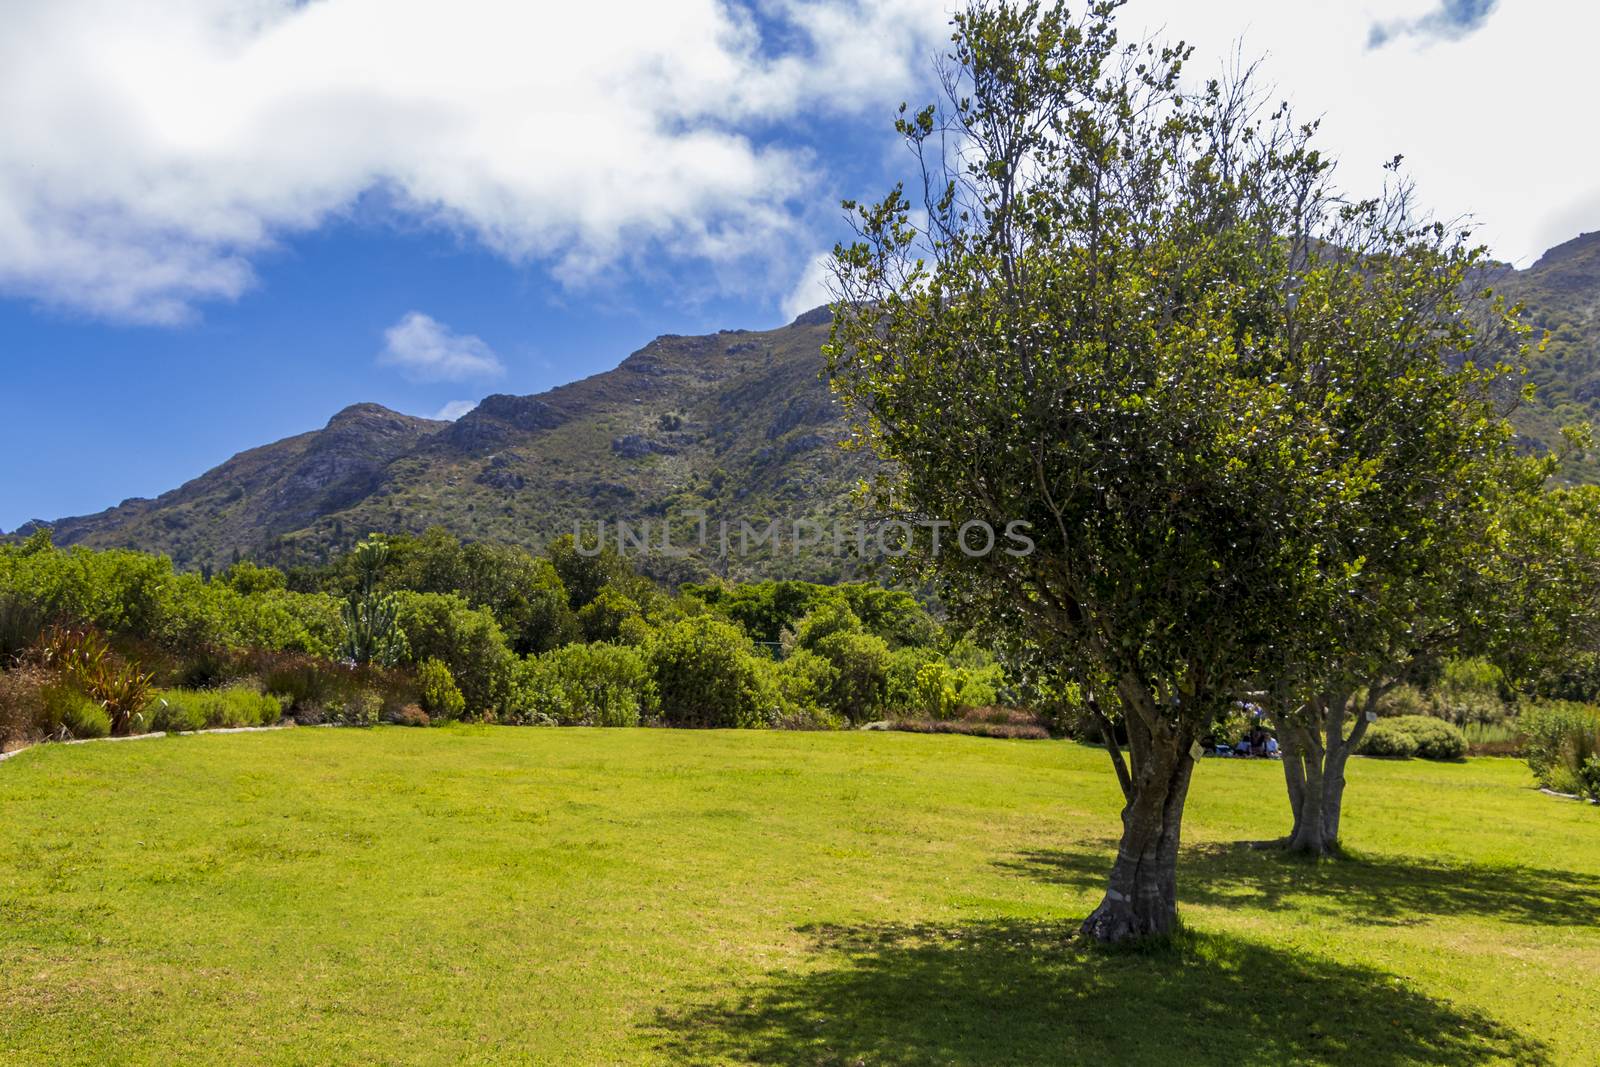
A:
(1561, 294)
(736, 424)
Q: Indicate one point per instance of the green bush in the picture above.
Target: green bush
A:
(361, 708)
(979, 687)
(179, 710)
(85, 659)
(905, 664)
(441, 698)
(1414, 735)
(67, 708)
(861, 661)
(603, 618)
(174, 711)
(935, 694)
(803, 682)
(1386, 738)
(467, 640)
(705, 675)
(587, 685)
(1563, 744)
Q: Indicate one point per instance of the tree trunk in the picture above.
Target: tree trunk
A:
(1310, 821)
(1142, 898)
(1315, 754)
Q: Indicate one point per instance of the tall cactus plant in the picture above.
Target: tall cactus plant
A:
(371, 632)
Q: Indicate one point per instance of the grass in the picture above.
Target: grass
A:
(484, 895)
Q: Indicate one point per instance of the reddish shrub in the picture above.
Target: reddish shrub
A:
(407, 715)
(21, 704)
(1013, 723)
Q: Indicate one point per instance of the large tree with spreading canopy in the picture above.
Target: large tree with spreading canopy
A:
(1133, 313)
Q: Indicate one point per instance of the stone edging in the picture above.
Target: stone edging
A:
(147, 737)
(1566, 796)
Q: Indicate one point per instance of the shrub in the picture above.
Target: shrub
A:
(1563, 742)
(603, 617)
(861, 661)
(180, 710)
(934, 692)
(979, 687)
(85, 660)
(635, 630)
(1414, 735)
(827, 619)
(1386, 738)
(904, 664)
(803, 682)
(21, 704)
(361, 708)
(705, 675)
(408, 715)
(587, 685)
(441, 698)
(177, 712)
(467, 640)
(67, 709)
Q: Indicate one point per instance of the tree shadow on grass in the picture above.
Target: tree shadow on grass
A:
(1380, 891)
(1015, 992)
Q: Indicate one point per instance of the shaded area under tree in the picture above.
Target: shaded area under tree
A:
(1016, 992)
(1374, 890)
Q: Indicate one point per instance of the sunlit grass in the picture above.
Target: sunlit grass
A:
(581, 896)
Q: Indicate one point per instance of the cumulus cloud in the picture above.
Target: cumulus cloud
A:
(426, 350)
(150, 152)
(1450, 21)
(1487, 125)
(454, 410)
(813, 289)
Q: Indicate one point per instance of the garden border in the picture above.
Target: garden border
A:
(146, 737)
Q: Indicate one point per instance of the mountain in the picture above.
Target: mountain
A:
(737, 424)
(1561, 294)
(260, 494)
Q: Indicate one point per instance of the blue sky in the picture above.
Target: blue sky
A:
(221, 221)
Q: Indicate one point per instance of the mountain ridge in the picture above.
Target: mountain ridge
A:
(737, 422)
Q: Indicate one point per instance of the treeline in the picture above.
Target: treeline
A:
(422, 629)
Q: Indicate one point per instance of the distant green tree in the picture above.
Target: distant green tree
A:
(584, 572)
(465, 639)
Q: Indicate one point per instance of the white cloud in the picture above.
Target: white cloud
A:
(454, 410)
(1491, 124)
(148, 152)
(813, 289)
(426, 350)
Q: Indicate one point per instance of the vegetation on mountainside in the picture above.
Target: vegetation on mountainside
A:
(736, 424)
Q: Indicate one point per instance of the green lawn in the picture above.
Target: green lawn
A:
(490, 895)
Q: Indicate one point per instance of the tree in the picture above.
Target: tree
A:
(584, 571)
(371, 632)
(705, 675)
(1416, 397)
(524, 592)
(1093, 325)
(467, 640)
